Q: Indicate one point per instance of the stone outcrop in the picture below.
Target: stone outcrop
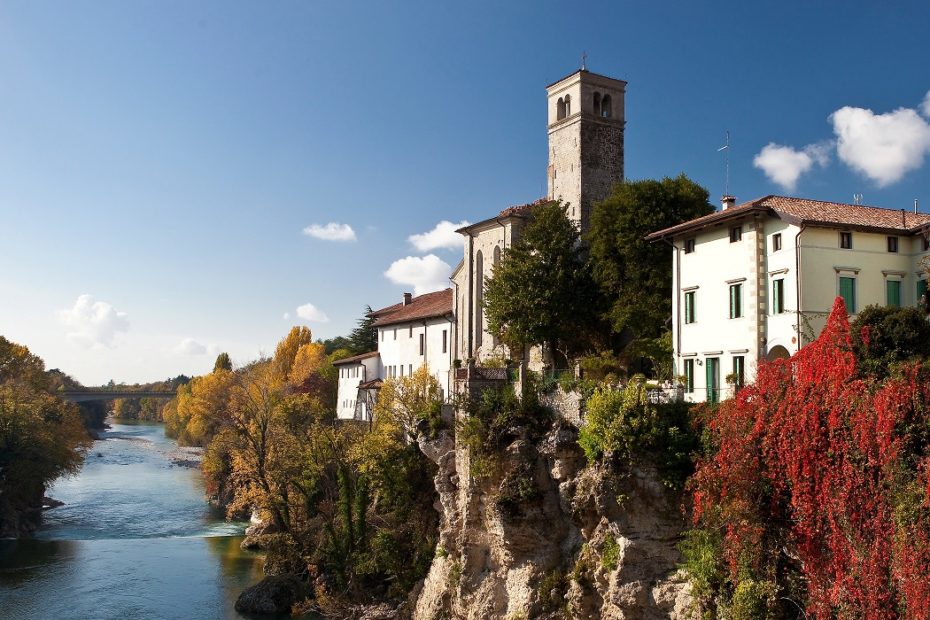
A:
(272, 595)
(546, 536)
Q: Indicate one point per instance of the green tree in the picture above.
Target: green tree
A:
(882, 336)
(222, 362)
(541, 292)
(633, 274)
(364, 338)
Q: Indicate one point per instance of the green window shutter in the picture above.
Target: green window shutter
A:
(893, 293)
(738, 370)
(921, 289)
(736, 301)
(689, 376)
(713, 379)
(689, 307)
(848, 293)
(778, 296)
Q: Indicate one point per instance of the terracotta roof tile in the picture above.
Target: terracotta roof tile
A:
(523, 210)
(356, 358)
(424, 306)
(811, 212)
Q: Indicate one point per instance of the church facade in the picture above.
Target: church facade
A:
(586, 122)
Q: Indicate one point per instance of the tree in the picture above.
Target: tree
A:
(541, 292)
(633, 274)
(286, 350)
(222, 362)
(882, 336)
(406, 402)
(364, 337)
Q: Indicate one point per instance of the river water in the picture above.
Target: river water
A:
(134, 540)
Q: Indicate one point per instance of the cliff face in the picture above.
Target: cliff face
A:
(545, 536)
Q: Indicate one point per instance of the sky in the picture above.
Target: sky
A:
(179, 179)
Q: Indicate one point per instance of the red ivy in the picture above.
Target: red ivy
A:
(817, 470)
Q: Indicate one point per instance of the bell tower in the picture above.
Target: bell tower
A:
(586, 120)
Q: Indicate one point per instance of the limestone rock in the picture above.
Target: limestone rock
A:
(272, 595)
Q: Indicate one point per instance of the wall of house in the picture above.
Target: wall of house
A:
(823, 262)
(399, 349)
(708, 272)
(350, 375)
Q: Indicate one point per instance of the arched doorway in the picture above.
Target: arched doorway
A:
(778, 352)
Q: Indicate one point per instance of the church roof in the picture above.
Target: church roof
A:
(518, 211)
(812, 213)
(427, 306)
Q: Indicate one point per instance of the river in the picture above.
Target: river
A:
(135, 539)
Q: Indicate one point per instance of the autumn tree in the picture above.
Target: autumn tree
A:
(407, 403)
(541, 292)
(815, 489)
(287, 349)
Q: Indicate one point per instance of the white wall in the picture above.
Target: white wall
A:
(399, 349)
(350, 375)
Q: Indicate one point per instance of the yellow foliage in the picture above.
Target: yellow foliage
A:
(286, 351)
(405, 401)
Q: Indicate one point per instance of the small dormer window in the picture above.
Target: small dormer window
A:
(605, 107)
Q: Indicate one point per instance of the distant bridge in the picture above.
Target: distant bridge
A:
(80, 396)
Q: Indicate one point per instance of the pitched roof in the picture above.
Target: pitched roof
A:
(811, 212)
(520, 211)
(355, 358)
(425, 306)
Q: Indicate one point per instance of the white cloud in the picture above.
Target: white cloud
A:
(925, 106)
(443, 236)
(331, 232)
(93, 323)
(309, 312)
(286, 316)
(189, 346)
(784, 165)
(883, 147)
(426, 274)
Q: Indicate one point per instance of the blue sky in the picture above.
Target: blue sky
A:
(160, 161)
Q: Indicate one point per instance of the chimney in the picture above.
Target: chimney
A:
(727, 201)
(407, 299)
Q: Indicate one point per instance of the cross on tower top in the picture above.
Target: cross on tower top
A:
(584, 61)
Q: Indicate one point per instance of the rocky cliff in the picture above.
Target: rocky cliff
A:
(543, 535)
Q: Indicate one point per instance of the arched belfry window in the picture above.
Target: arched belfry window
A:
(605, 107)
(497, 256)
(560, 109)
(597, 104)
(568, 105)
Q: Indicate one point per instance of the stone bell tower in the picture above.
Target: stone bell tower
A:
(586, 122)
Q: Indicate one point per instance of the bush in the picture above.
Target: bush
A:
(621, 425)
(882, 337)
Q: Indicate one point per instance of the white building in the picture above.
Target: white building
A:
(586, 121)
(416, 332)
(757, 281)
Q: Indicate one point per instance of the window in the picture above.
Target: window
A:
(736, 301)
(892, 244)
(422, 344)
(568, 105)
(689, 307)
(689, 246)
(560, 109)
(739, 374)
(605, 107)
(846, 240)
(401, 370)
(409, 369)
(713, 379)
(444, 341)
(382, 335)
(597, 104)
(776, 242)
(395, 333)
(410, 335)
(926, 240)
(736, 234)
(689, 376)
(479, 298)
(893, 293)
(778, 296)
(921, 290)
(848, 293)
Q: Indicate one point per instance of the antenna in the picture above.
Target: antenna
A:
(857, 199)
(726, 147)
